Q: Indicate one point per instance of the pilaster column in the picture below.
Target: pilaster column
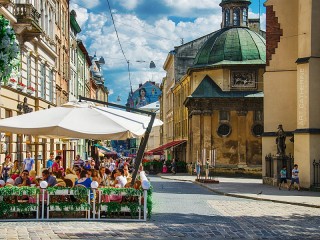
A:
(242, 130)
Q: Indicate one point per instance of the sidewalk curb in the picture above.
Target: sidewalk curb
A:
(241, 196)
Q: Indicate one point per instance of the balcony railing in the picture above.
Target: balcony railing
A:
(6, 2)
(27, 15)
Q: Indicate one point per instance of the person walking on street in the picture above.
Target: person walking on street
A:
(198, 169)
(295, 177)
(283, 176)
(173, 166)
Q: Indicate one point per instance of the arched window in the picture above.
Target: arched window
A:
(236, 17)
(227, 17)
(244, 17)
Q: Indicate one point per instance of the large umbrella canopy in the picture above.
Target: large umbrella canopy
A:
(79, 120)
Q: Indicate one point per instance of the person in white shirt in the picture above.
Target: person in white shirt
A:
(121, 180)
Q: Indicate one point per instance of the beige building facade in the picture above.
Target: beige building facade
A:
(291, 84)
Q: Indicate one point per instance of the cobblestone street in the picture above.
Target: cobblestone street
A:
(183, 210)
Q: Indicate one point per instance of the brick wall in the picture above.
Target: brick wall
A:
(274, 32)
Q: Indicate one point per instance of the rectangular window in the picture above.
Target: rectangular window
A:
(28, 71)
(224, 116)
(51, 86)
(43, 80)
(258, 116)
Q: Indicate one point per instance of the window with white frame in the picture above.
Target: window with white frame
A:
(43, 80)
(51, 86)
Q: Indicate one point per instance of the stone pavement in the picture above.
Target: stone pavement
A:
(254, 189)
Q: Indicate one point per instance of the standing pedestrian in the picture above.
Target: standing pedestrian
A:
(207, 168)
(283, 176)
(50, 162)
(198, 169)
(173, 166)
(295, 177)
(5, 168)
(28, 162)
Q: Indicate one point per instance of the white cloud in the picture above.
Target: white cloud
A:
(262, 19)
(82, 14)
(142, 40)
(129, 4)
(87, 3)
(111, 92)
(187, 5)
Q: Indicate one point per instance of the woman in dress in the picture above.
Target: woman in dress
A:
(15, 170)
(6, 166)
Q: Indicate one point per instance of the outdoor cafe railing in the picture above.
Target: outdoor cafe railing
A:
(44, 203)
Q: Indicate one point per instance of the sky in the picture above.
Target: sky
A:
(148, 30)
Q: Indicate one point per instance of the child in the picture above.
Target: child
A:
(283, 176)
(164, 168)
(295, 177)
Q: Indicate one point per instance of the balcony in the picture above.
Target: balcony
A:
(5, 3)
(27, 21)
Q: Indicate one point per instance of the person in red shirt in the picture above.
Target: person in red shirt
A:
(56, 165)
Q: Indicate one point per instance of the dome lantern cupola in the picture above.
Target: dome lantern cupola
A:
(235, 13)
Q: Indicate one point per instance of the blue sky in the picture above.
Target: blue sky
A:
(148, 30)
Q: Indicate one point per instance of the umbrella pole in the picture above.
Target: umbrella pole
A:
(142, 147)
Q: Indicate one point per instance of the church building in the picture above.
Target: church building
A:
(218, 100)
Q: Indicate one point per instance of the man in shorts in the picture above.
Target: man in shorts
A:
(295, 177)
(283, 176)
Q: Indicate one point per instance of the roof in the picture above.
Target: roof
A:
(151, 106)
(159, 150)
(232, 46)
(209, 89)
(235, 1)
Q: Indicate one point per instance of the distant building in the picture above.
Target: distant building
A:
(213, 90)
(147, 93)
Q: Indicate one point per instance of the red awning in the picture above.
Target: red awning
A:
(159, 150)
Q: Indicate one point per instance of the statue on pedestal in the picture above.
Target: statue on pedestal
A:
(281, 141)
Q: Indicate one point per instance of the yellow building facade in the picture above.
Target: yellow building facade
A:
(217, 93)
(292, 82)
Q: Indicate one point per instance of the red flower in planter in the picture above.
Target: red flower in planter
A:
(12, 80)
(31, 88)
(21, 84)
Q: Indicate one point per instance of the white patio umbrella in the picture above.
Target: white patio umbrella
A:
(79, 120)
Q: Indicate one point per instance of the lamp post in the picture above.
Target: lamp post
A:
(43, 186)
(94, 185)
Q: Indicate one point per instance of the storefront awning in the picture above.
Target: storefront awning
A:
(159, 150)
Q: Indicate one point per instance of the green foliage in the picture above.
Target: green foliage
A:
(149, 202)
(70, 206)
(18, 191)
(127, 191)
(9, 50)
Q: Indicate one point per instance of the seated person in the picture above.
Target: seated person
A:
(23, 179)
(59, 178)
(70, 174)
(84, 180)
(120, 179)
(51, 180)
(87, 165)
(95, 176)
(33, 177)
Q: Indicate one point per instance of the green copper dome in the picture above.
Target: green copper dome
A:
(232, 46)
